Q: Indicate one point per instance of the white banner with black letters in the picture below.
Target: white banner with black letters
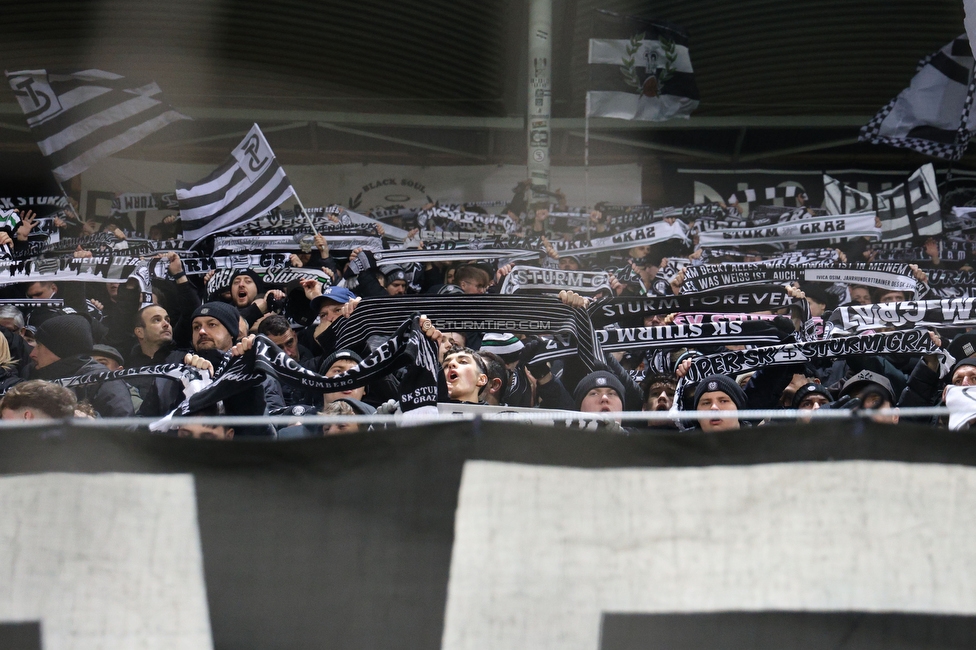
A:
(533, 279)
(955, 312)
(888, 276)
(834, 227)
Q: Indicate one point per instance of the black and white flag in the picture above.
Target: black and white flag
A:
(909, 210)
(247, 185)
(639, 70)
(82, 117)
(933, 115)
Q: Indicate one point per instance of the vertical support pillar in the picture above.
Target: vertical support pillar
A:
(538, 129)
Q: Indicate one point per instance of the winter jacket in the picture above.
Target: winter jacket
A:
(110, 399)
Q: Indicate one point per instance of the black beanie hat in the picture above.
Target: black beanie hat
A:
(809, 389)
(66, 335)
(597, 379)
(336, 356)
(258, 282)
(963, 346)
(228, 316)
(723, 384)
(820, 294)
(968, 361)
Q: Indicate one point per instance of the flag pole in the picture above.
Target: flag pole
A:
(586, 156)
(304, 213)
(586, 163)
(68, 200)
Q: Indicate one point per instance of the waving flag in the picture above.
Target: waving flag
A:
(81, 117)
(933, 115)
(639, 70)
(247, 185)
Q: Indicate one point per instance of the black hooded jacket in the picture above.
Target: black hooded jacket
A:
(110, 399)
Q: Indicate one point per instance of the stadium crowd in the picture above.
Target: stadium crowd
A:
(65, 341)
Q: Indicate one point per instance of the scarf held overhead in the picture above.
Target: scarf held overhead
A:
(732, 363)
(408, 345)
(955, 312)
(887, 276)
(838, 226)
(481, 313)
(753, 298)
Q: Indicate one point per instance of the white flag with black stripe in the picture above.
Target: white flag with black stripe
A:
(81, 117)
(247, 185)
(933, 115)
(639, 70)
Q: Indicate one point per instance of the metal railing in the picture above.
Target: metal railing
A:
(528, 417)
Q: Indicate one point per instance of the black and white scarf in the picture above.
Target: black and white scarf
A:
(330, 219)
(142, 201)
(888, 276)
(479, 313)
(630, 219)
(174, 371)
(800, 257)
(278, 276)
(541, 281)
(955, 312)
(454, 217)
(955, 249)
(951, 284)
(833, 227)
(690, 335)
(30, 303)
(752, 298)
(107, 268)
(407, 346)
(452, 254)
(101, 241)
(292, 243)
(916, 342)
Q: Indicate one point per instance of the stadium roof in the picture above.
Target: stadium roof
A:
(443, 82)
